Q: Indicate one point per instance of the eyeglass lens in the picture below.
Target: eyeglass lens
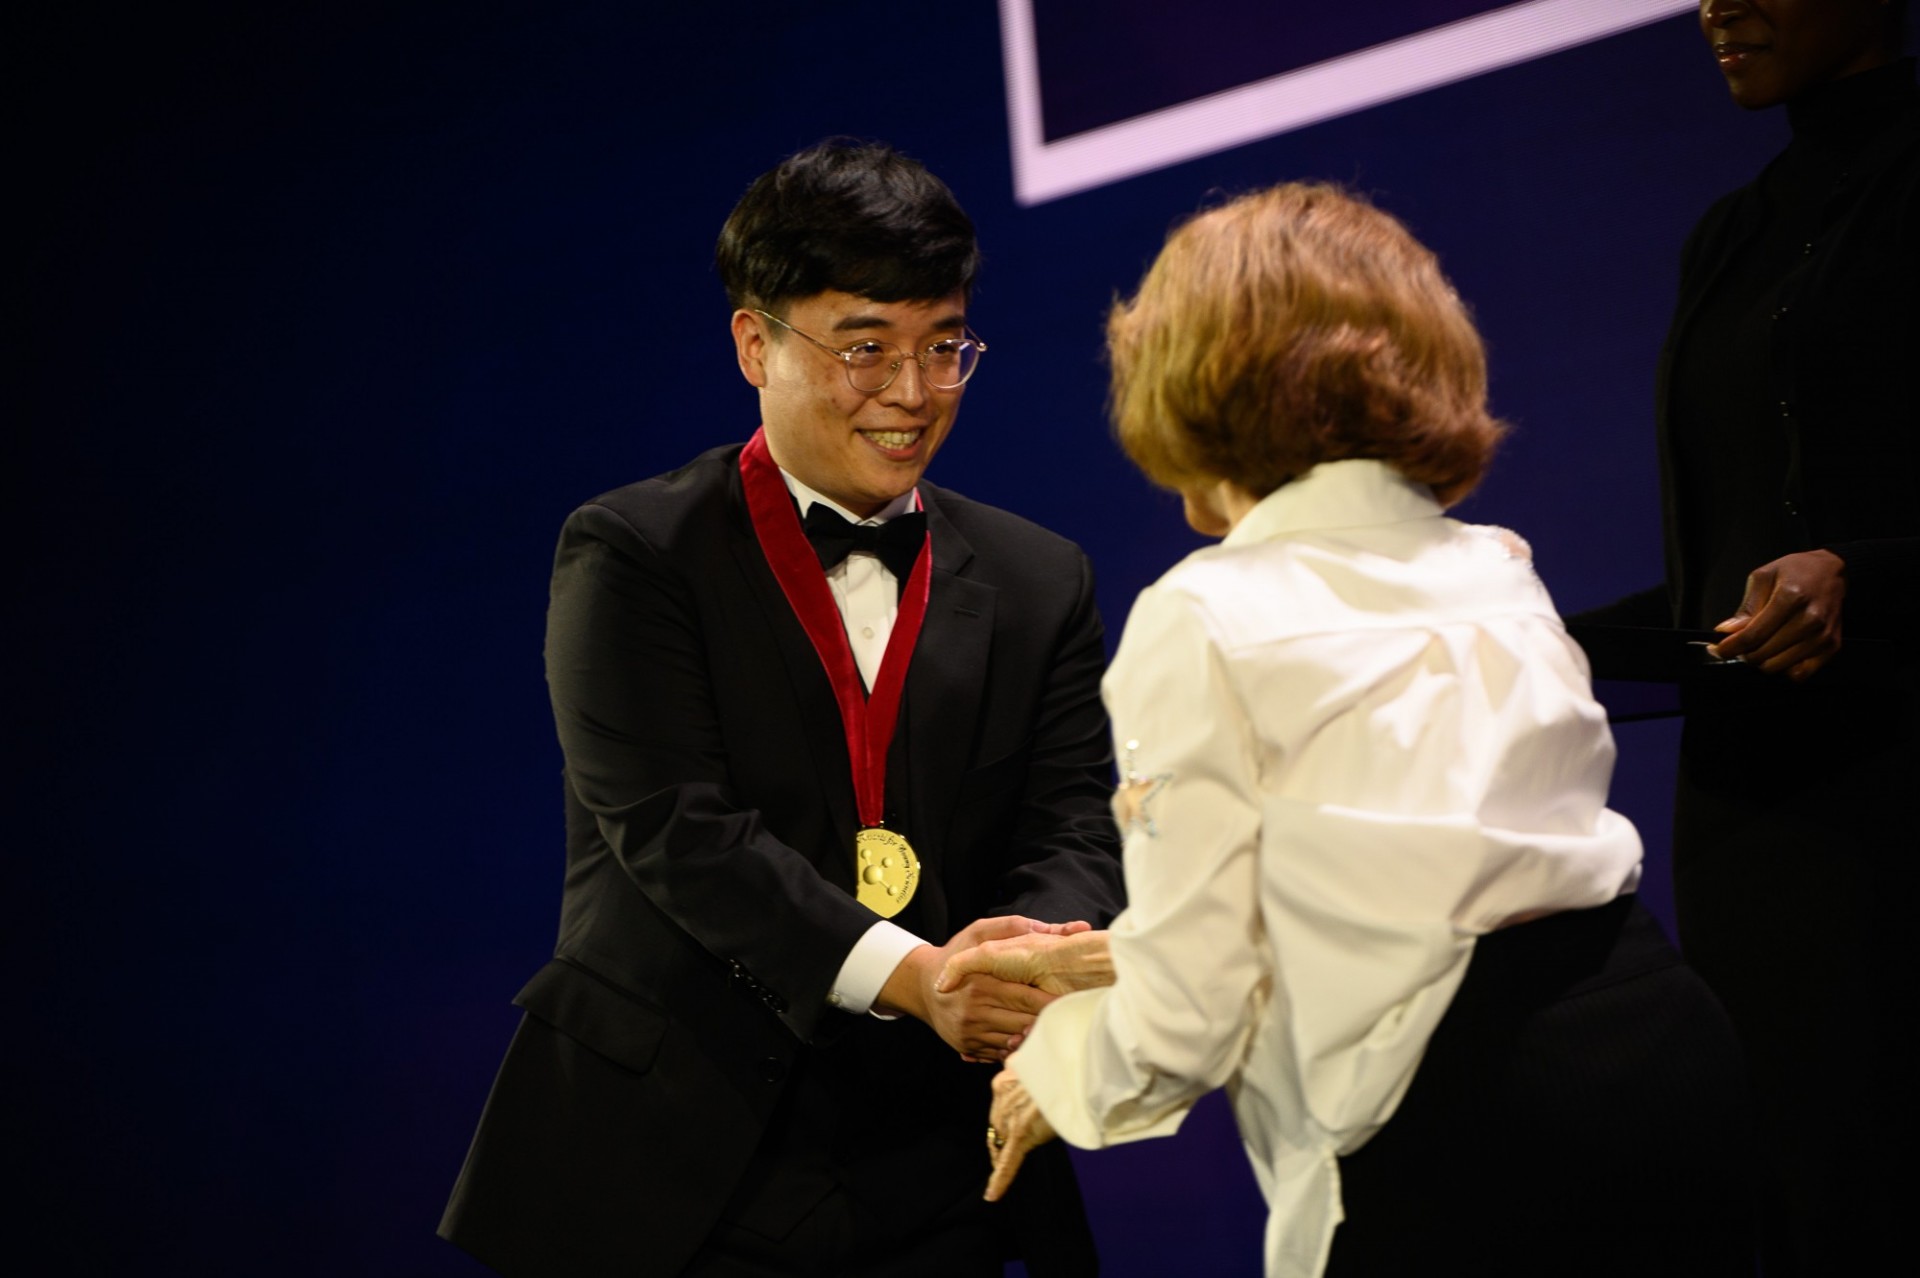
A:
(872, 366)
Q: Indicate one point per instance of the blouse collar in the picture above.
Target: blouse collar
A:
(1337, 494)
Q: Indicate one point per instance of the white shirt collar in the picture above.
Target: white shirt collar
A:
(1337, 494)
(806, 496)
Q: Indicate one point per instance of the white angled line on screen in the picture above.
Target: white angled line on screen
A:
(1045, 171)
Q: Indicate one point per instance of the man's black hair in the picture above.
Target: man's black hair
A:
(855, 216)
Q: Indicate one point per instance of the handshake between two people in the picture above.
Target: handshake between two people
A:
(981, 991)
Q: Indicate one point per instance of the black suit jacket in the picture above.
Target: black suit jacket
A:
(1840, 343)
(708, 901)
(1838, 349)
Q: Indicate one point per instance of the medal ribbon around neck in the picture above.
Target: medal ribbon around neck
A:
(886, 869)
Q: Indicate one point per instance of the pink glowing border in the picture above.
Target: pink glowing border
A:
(1045, 171)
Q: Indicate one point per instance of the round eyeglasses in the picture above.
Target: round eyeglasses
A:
(872, 365)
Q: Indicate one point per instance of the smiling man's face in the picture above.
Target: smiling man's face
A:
(860, 449)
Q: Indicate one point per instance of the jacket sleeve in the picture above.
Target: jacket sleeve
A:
(1062, 862)
(1883, 586)
(634, 706)
(1645, 609)
(1883, 570)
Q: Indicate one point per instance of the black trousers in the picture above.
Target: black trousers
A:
(841, 1238)
(1581, 1110)
(833, 1191)
(1794, 867)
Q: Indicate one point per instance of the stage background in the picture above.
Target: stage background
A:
(332, 312)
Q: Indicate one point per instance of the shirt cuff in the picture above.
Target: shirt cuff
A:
(1052, 1065)
(869, 963)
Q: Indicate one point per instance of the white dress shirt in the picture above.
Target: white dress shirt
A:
(868, 596)
(1353, 737)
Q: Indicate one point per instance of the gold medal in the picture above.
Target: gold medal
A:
(886, 869)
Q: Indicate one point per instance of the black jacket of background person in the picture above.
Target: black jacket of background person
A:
(1845, 336)
(708, 901)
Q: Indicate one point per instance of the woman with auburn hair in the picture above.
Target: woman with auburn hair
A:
(1375, 889)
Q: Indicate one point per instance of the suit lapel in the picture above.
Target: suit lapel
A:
(823, 743)
(1742, 222)
(1742, 219)
(945, 688)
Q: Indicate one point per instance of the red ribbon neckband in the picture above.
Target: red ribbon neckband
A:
(868, 719)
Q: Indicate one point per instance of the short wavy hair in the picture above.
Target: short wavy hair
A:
(1293, 326)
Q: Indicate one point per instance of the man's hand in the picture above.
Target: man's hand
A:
(1789, 621)
(1016, 1126)
(980, 1016)
(1052, 962)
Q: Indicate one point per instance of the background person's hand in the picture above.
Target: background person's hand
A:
(1789, 621)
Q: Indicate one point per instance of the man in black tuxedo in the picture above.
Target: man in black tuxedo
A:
(733, 1065)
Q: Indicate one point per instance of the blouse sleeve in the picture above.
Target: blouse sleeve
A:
(1126, 1062)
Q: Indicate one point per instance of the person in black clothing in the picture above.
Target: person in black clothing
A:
(788, 764)
(1787, 419)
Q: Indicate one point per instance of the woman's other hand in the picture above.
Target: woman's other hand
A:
(1789, 621)
(1016, 1126)
(1055, 964)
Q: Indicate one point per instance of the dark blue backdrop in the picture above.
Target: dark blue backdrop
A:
(334, 311)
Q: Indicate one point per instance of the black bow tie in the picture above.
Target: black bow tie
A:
(896, 542)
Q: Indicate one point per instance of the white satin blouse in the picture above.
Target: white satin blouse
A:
(1354, 736)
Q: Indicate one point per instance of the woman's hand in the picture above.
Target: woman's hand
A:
(1016, 1126)
(1054, 963)
(1789, 621)
(983, 1016)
